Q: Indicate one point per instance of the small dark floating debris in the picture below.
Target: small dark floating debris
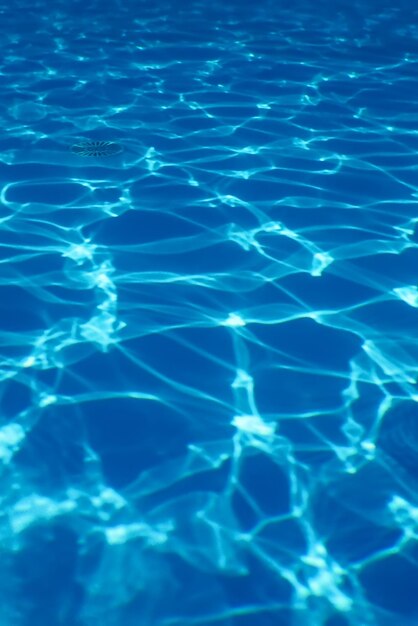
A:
(96, 148)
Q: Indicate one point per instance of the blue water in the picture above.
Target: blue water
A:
(208, 316)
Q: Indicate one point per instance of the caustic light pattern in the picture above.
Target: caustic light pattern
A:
(208, 345)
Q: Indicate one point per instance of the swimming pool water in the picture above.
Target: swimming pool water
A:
(208, 313)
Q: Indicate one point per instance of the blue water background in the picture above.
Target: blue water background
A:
(208, 341)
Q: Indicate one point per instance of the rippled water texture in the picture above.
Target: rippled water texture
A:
(208, 337)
